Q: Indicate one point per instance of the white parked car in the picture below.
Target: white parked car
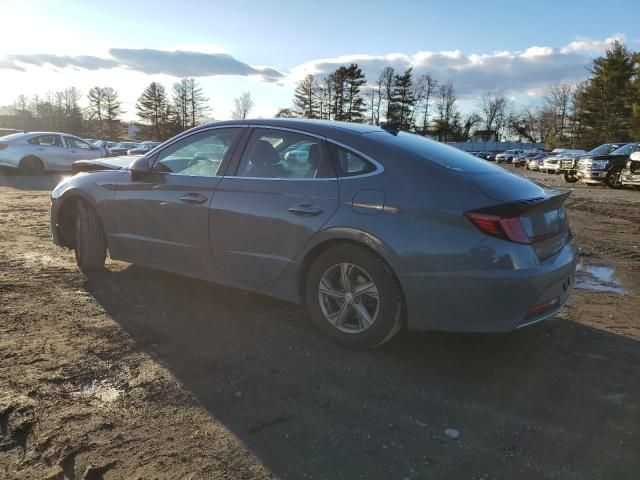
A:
(551, 164)
(508, 155)
(36, 152)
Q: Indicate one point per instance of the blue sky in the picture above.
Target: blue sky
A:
(264, 47)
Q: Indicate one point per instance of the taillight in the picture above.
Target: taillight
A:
(506, 228)
(3, 146)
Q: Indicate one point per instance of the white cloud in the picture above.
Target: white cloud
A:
(514, 71)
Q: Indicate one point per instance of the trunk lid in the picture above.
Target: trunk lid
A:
(540, 210)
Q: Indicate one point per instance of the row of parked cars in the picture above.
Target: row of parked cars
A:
(114, 149)
(36, 152)
(612, 164)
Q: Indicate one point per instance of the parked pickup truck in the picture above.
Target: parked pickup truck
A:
(631, 173)
(569, 163)
(606, 169)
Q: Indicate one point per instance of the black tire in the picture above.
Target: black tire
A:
(569, 178)
(31, 166)
(613, 180)
(390, 313)
(90, 244)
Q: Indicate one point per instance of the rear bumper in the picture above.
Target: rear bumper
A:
(489, 301)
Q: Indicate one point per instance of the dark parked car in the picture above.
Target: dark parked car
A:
(631, 173)
(569, 163)
(606, 169)
(491, 156)
(142, 148)
(122, 148)
(370, 228)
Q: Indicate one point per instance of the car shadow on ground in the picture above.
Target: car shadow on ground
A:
(550, 401)
(21, 181)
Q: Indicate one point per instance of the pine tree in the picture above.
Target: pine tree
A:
(96, 109)
(113, 110)
(355, 104)
(607, 98)
(304, 99)
(153, 108)
(348, 103)
(402, 100)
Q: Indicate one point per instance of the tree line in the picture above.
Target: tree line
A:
(605, 107)
(162, 114)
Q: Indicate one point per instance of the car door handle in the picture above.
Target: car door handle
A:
(305, 210)
(193, 198)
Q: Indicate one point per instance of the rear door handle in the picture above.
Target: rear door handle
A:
(305, 210)
(193, 198)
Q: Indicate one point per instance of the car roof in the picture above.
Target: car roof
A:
(319, 127)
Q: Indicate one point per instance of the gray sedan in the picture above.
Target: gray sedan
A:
(370, 229)
(35, 152)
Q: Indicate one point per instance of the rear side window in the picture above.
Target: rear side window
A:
(349, 163)
(46, 140)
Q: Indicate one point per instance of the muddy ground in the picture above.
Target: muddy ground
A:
(134, 373)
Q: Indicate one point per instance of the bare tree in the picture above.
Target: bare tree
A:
(494, 110)
(423, 91)
(557, 101)
(447, 113)
(242, 106)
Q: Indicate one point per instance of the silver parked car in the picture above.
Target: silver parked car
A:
(370, 228)
(36, 152)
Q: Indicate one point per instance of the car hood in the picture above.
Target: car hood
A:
(109, 163)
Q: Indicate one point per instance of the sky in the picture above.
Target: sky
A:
(265, 47)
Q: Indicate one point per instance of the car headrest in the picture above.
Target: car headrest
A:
(314, 155)
(263, 153)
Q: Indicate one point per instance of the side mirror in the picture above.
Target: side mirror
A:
(139, 167)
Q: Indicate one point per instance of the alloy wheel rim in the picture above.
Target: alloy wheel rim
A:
(349, 298)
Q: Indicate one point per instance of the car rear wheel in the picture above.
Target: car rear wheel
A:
(90, 244)
(31, 166)
(353, 297)
(569, 178)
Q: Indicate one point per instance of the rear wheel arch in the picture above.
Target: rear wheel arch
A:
(325, 245)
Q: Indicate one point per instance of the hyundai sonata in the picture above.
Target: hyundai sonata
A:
(370, 228)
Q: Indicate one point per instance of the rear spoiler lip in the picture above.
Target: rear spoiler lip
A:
(514, 209)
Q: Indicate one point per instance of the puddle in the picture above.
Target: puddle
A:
(600, 278)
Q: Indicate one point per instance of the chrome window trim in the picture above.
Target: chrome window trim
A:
(379, 168)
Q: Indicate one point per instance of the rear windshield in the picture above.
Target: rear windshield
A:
(436, 152)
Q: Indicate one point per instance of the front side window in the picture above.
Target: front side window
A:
(47, 141)
(349, 163)
(283, 154)
(200, 154)
(77, 143)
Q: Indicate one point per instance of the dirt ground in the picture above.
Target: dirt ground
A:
(134, 373)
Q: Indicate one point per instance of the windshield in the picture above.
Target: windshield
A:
(11, 136)
(626, 149)
(603, 149)
(436, 152)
